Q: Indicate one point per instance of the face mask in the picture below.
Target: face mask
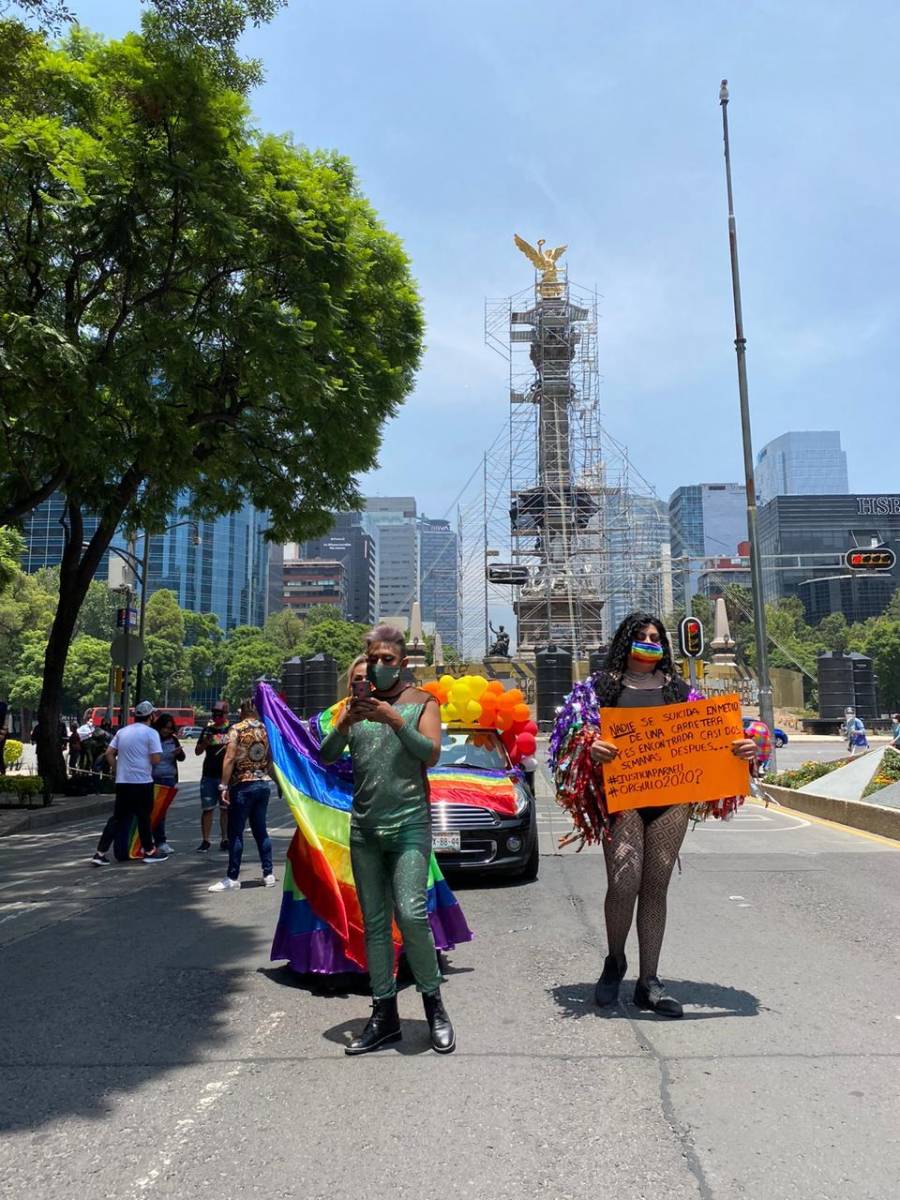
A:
(381, 676)
(646, 652)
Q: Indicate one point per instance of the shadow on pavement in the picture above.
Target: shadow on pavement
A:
(577, 1000)
(416, 1038)
(347, 983)
(120, 983)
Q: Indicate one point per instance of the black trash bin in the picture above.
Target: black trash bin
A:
(553, 680)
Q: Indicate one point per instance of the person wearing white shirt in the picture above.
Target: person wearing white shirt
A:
(133, 753)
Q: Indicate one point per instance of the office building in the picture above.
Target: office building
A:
(707, 520)
(439, 579)
(219, 566)
(348, 543)
(392, 522)
(802, 542)
(307, 583)
(802, 463)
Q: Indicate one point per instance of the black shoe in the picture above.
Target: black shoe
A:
(382, 1028)
(203, 848)
(223, 845)
(443, 1039)
(606, 991)
(100, 860)
(651, 997)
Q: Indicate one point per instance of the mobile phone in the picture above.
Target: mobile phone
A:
(360, 689)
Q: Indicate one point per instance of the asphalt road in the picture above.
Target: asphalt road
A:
(151, 1050)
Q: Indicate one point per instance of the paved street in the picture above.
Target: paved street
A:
(150, 1049)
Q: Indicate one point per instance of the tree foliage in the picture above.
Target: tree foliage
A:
(184, 305)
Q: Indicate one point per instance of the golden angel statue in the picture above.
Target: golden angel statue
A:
(545, 261)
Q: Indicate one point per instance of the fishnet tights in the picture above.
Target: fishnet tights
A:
(639, 863)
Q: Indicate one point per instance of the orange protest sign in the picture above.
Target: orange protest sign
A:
(674, 754)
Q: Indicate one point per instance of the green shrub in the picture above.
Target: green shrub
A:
(12, 752)
(21, 787)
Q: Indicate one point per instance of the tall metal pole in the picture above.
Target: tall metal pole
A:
(766, 706)
(487, 641)
(139, 671)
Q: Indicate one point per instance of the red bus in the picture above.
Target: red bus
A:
(184, 717)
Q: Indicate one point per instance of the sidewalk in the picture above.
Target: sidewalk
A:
(63, 808)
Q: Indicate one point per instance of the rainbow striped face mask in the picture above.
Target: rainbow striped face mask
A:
(646, 652)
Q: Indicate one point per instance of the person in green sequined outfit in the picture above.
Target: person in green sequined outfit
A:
(393, 734)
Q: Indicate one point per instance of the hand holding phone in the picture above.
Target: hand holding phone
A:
(360, 689)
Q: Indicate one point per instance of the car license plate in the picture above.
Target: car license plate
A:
(445, 842)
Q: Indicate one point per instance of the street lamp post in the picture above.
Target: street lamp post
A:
(766, 706)
(142, 611)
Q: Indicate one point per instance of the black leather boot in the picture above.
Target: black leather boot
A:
(607, 990)
(443, 1039)
(382, 1028)
(651, 997)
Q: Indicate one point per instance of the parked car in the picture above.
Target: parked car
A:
(779, 737)
(482, 810)
(190, 731)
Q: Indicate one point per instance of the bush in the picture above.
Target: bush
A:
(22, 788)
(12, 752)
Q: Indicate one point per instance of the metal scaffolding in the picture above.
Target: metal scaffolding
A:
(585, 530)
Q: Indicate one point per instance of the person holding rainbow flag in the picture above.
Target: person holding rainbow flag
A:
(361, 881)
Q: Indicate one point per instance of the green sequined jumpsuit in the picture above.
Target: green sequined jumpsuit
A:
(390, 846)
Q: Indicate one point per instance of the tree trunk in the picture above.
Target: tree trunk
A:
(77, 569)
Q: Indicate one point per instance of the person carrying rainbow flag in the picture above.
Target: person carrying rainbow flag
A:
(361, 882)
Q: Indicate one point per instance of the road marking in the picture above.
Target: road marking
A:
(807, 819)
(211, 1093)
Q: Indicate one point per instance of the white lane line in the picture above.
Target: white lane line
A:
(210, 1095)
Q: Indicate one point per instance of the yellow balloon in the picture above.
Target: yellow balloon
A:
(479, 686)
(447, 681)
(473, 710)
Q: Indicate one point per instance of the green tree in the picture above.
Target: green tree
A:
(25, 690)
(285, 629)
(97, 616)
(833, 632)
(251, 658)
(86, 678)
(12, 547)
(343, 640)
(176, 289)
(164, 617)
(167, 674)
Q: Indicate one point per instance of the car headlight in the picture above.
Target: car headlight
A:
(521, 801)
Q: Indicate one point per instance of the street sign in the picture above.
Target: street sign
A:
(135, 650)
(876, 558)
(690, 637)
(510, 573)
(126, 617)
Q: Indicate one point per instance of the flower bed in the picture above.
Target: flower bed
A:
(887, 773)
(805, 773)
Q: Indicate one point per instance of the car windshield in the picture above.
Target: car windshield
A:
(472, 748)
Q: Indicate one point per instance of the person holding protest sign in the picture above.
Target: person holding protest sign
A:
(640, 844)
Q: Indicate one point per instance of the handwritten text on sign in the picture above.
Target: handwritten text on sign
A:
(674, 754)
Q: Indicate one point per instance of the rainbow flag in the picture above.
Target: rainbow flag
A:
(320, 926)
(131, 847)
(486, 789)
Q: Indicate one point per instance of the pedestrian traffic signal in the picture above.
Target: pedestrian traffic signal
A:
(690, 637)
(879, 558)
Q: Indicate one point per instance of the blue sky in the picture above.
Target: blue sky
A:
(597, 124)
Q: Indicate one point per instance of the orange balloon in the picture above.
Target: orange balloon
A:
(522, 712)
(494, 688)
(515, 696)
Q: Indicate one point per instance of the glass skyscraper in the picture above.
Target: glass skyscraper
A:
(807, 463)
(440, 579)
(707, 520)
(226, 572)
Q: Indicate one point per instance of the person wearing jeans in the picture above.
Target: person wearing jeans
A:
(245, 794)
(133, 752)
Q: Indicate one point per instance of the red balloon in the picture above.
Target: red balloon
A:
(509, 740)
(531, 727)
(526, 743)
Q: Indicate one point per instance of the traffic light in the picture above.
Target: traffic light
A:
(690, 637)
(879, 558)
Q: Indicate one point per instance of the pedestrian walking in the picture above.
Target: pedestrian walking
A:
(133, 753)
(855, 732)
(895, 730)
(212, 744)
(245, 788)
(165, 772)
(74, 747)
(641, 845)
(393, 733)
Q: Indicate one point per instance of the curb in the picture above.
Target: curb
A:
(54, 814)
(858, 814)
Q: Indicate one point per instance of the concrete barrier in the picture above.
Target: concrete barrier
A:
(859, 814)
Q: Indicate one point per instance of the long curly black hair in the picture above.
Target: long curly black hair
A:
(608, 683)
